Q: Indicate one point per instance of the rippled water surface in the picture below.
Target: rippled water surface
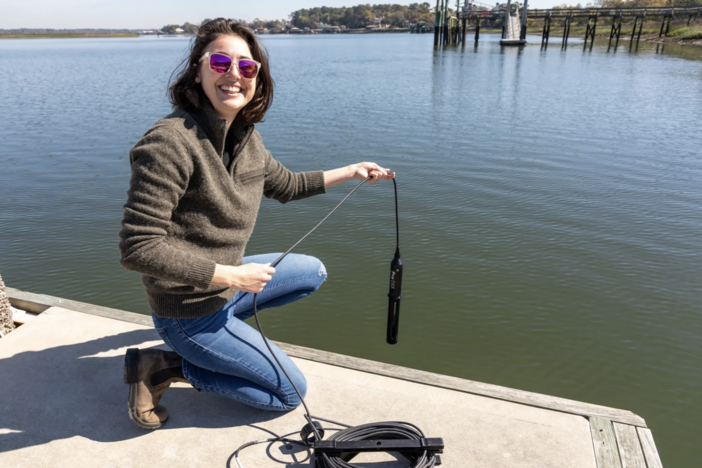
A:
(549, 201)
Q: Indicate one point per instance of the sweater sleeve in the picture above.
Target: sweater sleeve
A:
(284, 185)
(161, 171)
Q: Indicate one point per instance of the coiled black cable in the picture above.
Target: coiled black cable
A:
(375, 431)
(391, 430)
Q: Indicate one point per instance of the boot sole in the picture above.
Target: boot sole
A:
(131, 359)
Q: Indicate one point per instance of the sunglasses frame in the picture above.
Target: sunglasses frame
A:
(238, 69)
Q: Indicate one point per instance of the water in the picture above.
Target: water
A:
(549, 201)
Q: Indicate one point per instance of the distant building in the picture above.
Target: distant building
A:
(179, 30)
(377, 23)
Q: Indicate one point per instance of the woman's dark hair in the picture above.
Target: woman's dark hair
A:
(188, 95)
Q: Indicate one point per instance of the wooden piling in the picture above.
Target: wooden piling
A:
(633, 32)
(463, 35)
(591, 29)
(437, 25)
(587, 30)
(523, 32)
(616, 30)
(446, 24)
(594, 29)
(546, 32)
(638, 37)
(477, 31)
(667, 27)
(566, 31)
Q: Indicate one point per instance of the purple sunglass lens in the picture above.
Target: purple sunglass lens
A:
(248, 68)
(220, 63)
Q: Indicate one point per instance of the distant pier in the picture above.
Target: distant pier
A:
(451, 30)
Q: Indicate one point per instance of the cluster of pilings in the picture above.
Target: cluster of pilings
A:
(447, 29)
(451, 30)
(639, 15)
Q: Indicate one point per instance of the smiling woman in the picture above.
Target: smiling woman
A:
(204, 71)
(197, 180)
(225, 85)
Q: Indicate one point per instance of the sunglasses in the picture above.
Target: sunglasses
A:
(220, 63)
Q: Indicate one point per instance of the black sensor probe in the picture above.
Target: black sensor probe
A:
(394, 296)
(395, 293)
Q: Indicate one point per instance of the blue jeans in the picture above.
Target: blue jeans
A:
(222, 354)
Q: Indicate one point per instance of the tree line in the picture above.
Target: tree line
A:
(358, 16)
(395, 15)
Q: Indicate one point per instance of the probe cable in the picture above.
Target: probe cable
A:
(383, 430)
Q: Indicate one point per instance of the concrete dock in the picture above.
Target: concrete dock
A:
(64, 404)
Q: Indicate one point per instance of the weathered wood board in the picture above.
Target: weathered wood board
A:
(604, 443)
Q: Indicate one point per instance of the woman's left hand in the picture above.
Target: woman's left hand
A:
(369, 169)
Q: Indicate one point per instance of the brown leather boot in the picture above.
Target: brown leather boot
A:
(145, 388)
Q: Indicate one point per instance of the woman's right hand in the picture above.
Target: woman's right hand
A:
(251, 277)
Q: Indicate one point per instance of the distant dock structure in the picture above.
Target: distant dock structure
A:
(451, 28)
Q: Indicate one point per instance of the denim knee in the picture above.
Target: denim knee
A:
(322, 273)
(292, 400)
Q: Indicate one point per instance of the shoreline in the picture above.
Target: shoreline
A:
(651, 38)
(65, 36)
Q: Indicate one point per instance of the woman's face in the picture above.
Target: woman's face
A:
(227, 92)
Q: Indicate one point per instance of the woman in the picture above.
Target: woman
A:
(197, 180)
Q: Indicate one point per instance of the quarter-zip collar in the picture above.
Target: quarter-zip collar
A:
(216, 129)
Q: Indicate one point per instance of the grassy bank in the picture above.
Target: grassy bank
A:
(44, 36)
(693, 32)
(678, 33)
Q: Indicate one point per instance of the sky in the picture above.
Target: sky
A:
(150, 14)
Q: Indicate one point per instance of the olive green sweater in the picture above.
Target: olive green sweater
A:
(186, 212)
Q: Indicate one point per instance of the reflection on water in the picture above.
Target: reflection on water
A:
(549, 202)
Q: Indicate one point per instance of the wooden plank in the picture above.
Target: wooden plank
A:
(463, 385)
(37, 303)
(604, 443)
(653, 460)
(629, 446)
